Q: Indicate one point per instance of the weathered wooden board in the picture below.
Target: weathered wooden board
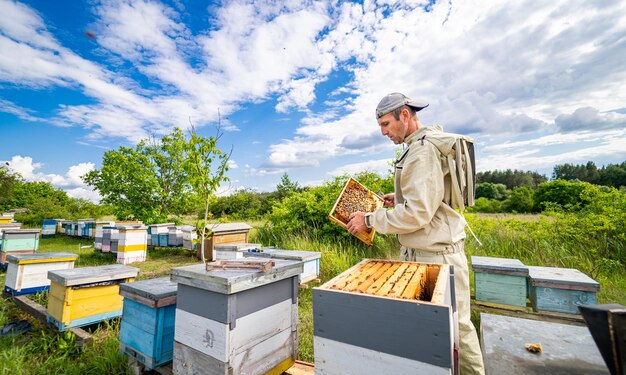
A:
(561, 289)
(356, 360)
(152, 292)
(233, 281)
(86, 275)
(567, 350)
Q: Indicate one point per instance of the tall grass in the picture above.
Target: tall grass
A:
(559, 241)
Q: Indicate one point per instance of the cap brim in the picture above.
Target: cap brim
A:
(417, 106)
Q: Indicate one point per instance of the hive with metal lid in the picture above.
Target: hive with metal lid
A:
(236, 321)
(383, 314)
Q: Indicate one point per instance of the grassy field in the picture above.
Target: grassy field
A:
(531, 239)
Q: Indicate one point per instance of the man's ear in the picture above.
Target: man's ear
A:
(405, 115)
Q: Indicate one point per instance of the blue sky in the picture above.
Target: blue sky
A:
(296, 82)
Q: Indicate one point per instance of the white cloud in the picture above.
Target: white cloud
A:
(232, 164)
(71, 181)
(380, 167)
(486, 69)
(589, 118)
(12, 108)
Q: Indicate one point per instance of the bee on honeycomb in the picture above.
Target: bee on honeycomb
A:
(355, 198)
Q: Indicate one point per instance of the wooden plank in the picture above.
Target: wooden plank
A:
(301, 368)
(223, 265)
(39, 312)
(378, 284)
(414, 288)
(362, 277)
(399, 287)
(386, 288)
(526, 314)
(379, 273)
(333, 358)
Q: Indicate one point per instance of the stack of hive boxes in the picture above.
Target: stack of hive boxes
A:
(189, 236)
(97, 244)
(133, 244)
(226, 233)
(147, 330)
(18, 241)
(175, 236)
(159, 234)
(382, 315)
(236, 321)
(48, 228)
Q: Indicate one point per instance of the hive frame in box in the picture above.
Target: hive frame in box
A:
(367, 237)
(361, 333)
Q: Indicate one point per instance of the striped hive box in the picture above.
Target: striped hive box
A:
(234, 250)
(4, 227)
(18, 241)
(28, 273)
(132, 244)
(236, 321)
(87, 295)
(223, 234)
(311, 260)
(500, 281)
(561, 289)
(48, 228)
(189, 236)
(381, 315)
(147, 329)
(175, 236)
(99, 230)
(107, 233)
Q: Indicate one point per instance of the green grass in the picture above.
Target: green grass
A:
(535, 240)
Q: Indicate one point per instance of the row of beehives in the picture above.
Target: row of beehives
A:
(211, 321)
(504, 281)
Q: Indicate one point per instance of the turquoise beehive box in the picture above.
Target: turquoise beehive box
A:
(561, 289)
(500, 281)
(147, 330)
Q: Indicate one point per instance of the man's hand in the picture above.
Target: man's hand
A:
(357, 222)
(390, 200)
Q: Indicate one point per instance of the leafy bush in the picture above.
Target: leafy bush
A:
(520, 200)
(560, 194)
(491, 191)
(485, 205)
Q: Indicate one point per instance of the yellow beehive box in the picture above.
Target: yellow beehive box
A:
(88, 295)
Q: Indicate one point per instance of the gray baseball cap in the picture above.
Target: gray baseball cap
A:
(396, 100)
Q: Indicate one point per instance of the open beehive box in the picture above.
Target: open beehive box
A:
(383, 314)
(355, 197)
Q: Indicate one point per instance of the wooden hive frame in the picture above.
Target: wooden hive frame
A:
(393, 279)
(368, 236)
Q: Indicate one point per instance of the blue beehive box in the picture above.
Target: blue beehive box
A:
(500, 281)
(48, 228)
(561, 289)
(147, 330)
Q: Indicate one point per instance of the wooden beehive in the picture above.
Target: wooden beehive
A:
(48, 228)
(159, 234)
(99, 232)
(234, 250)
(189, 236)
(236, 321)
(355, 197)
(147, 329)
(311, 260)
(5, 226)
(87, 295)
(223, 234)
(500, 281)
(561, 289)
(133, 244)
(18, 241)
(381, 315)
(28, 273)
